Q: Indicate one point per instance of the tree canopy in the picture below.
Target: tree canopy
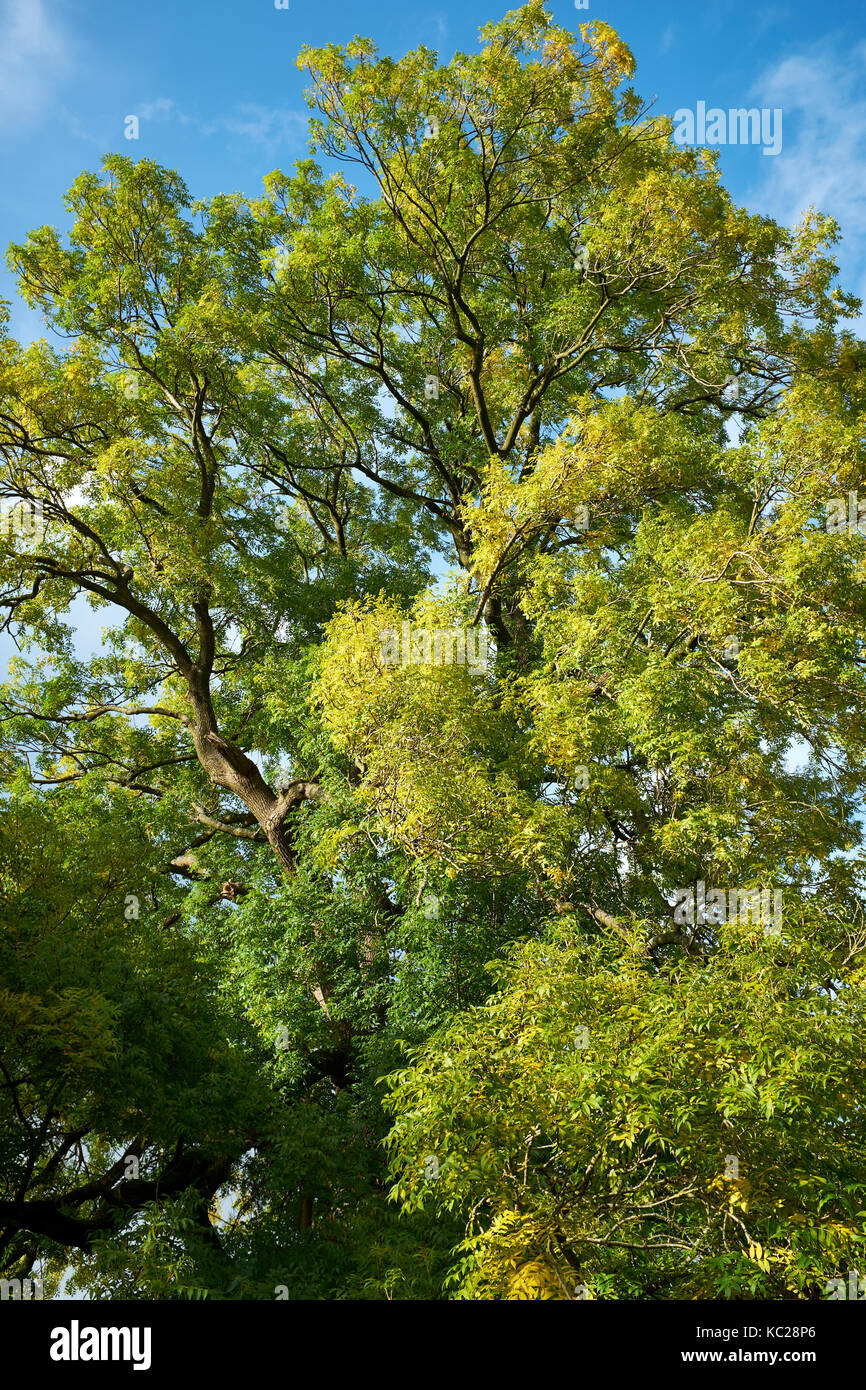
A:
(332, 973)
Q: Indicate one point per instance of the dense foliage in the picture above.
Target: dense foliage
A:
(330, 969)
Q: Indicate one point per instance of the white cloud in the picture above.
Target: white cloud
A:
(163, 109)
(268, 126)
(823, 97)
(767, 18)
(34, 57)
(265, 125)
(822, 93)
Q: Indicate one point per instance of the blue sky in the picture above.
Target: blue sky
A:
(218, 96)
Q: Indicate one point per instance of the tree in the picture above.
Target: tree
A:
(523, 352)
(692, 1131)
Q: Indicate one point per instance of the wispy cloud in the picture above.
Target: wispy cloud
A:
(767, 17)
(270, 127)
(822, 93)
(35, 55)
